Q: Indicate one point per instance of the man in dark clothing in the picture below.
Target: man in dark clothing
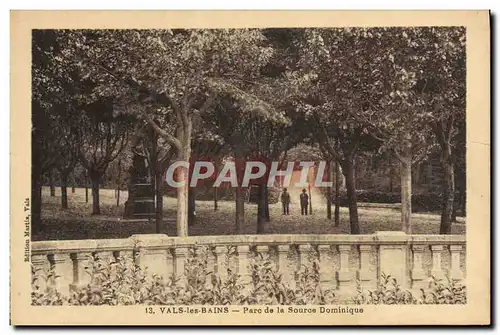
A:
(285, 200)
(304, 202)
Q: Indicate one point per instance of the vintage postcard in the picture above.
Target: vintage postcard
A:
(250, 168)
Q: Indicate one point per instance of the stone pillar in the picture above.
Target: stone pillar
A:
(418, 275)
(455, 271)
(304, 250)
(283, 265)
(211, 268)
(41, 268)
(63, 272)
(437, 270)
(151, 254)
(83, 275)
(180, 256)
(244, 264)
(326, 273)
(156, 263)
(344, 275)
(365, 276)
(393, 252)
(220, 261)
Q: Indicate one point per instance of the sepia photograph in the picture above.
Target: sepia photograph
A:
(227, 172)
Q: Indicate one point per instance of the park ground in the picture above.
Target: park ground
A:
(78, 223)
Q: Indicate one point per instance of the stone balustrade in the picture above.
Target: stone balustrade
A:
(343, 260)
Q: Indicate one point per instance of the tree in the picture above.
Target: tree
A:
(379, 91)
(67, 150)
(232, 132)
(330, 103)
(53, 89)
(269, 142)
(179, 70)
(442, 92)
(207, 147)
(425, 99)
(102, 137)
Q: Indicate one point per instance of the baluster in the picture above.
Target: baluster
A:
(82, 265)
(105, 256)
(304, 250)
(344, 276)
(127, 255)
(263, 250)
(283, 265)
(220, 261)
(244, 264)
(455, 271)
(437, 270)
(418, 275)
(326, 273)
(211, 268)
(41, 267)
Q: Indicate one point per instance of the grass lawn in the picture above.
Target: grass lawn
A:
(78, 223)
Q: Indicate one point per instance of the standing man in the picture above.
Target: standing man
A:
(285, 200)
(304, 201)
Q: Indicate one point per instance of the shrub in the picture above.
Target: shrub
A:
(444, 291)
(389, 292)
(121, 282)
(421, 202)
(48, 296)
(308, 289)
(267, 287)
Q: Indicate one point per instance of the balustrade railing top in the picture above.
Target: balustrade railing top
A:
(159, 240)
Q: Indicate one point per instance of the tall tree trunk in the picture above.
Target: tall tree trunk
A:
(329, 192)
(73, 188)
(96, 208)
(182, 202)
(118, 198)
(406, 195)
(159, 201)
(448, 190)
(391, 182)
(184, 134)
(52, 186)
(64, 191)
(240, 210)
(261, 209)
(36, 202)
(337, 194)
(86, 181)
(348, 170)
(216, 205)
(192, 206)
(267, 215)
